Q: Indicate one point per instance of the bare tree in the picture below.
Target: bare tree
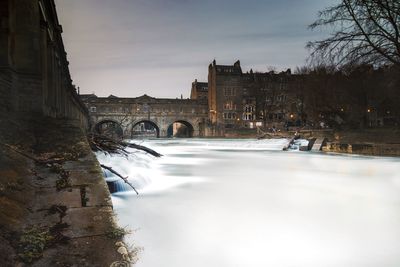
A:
(364, 31)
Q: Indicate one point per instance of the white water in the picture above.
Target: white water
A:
(231, 203)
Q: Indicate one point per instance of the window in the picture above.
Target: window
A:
(249, 112)
(93, 109)
(229, 106)
(229, 115)
(229, 91)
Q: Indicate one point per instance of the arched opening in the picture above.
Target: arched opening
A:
(145, 129)
(109, 128)
(180, 129)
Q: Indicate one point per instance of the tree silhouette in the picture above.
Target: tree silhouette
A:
(364, 31)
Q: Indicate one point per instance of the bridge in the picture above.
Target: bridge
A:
(162, 117)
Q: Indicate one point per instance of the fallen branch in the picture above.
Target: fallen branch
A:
(39, 160)
(125, 179)
(20, 152)
(143, 148)
(109, 145)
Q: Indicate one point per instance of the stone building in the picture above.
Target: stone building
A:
(199, 90)
(34, 74)
(240, 100)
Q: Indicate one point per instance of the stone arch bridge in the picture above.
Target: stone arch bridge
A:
(161, 113)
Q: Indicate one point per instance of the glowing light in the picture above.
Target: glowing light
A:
(291, 116)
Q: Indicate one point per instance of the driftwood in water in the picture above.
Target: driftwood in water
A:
(109, 145)
(272, 135)
(125, 179)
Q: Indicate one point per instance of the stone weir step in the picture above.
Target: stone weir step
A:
(318, 144)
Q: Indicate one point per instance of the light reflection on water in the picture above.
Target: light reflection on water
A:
(228, 203)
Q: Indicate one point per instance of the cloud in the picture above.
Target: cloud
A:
(123, 47)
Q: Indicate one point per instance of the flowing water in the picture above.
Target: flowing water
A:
(234, 203)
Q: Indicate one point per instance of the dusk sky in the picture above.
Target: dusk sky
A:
(158, 47)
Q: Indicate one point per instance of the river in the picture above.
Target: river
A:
(246, 203)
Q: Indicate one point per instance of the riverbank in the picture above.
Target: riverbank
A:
(370, 142)
(55, 207)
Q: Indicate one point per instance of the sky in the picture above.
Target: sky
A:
(159, 47)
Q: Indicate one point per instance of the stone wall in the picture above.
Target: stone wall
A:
(160, 112)
(34, 73)
(369, 149)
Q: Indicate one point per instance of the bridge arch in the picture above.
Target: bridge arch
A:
(109, 128)
(144, 122)
(176, 129)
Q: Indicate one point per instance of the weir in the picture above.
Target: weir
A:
(243, 196)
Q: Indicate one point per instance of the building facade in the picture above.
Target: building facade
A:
(199, 90)
(239, 100)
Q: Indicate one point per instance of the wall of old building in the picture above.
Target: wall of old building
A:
(34, 74)
(246, 100)
(199, 90)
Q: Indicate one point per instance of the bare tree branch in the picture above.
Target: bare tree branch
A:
(364, 31)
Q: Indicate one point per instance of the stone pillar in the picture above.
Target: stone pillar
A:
(44, 66)
(50, 97)
(27, 36)
(25, 53)
(5, 70)
(4, 32)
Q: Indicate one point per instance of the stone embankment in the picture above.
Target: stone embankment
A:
(55, 208)
(371, 142)
(370, 149)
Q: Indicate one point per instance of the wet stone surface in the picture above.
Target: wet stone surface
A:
(69, 199)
